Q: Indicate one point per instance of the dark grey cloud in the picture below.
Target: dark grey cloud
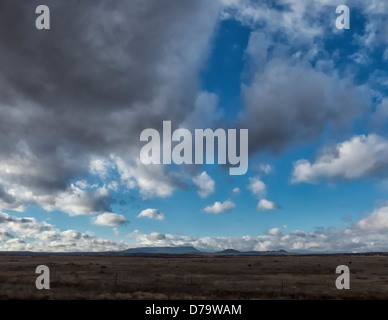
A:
(105, 71)
(289, 103)
(292, 92)
(88, 86)
(295, 85)
(5, 235)
(4, 218)
(101, 63)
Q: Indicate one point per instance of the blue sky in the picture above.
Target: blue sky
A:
(311, 96)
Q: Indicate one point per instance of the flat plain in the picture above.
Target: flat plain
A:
(193, 277)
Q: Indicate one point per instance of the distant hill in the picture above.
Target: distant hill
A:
(252, 253)
(230, 251)
(267, 253)
(162, 250)
(194, 251)
(146, 251)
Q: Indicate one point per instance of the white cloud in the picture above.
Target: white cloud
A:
(380, 116)
(151, 214)
(360, 58)
(101, 167)
(205, 112)
(70, 235)
(236, 190)
(205, 184)
(110, 219)
(367, 234)
(376, 25)
(257, 187)
(220, 207)
(296, 21)
(377, 221)
(357, 238)
(274, 232)
(76, 201)
(152, 180)
(265, 205)
(154, 236)
(29, 234)
(265, 168)
(356, 158)
(116, 231)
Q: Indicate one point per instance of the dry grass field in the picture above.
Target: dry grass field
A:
(260, 277)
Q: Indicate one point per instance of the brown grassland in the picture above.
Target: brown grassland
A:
(259, 277)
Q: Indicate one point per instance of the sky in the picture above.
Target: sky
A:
(75, 99)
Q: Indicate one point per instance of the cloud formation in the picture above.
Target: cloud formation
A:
(295, 88)
(367, 234)
(204, 184)
(289, 102)
(257, 187)
(377, 221)
(220, 207)
(27, 234)
(266, 205)
(60, 108)
(236, 190)
(110, 219)
(359, 157)
(74, 100)
(151, 214)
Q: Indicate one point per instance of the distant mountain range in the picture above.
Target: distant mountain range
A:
(188, 250)
(252, 253)
(153, 251)
(162, 250)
